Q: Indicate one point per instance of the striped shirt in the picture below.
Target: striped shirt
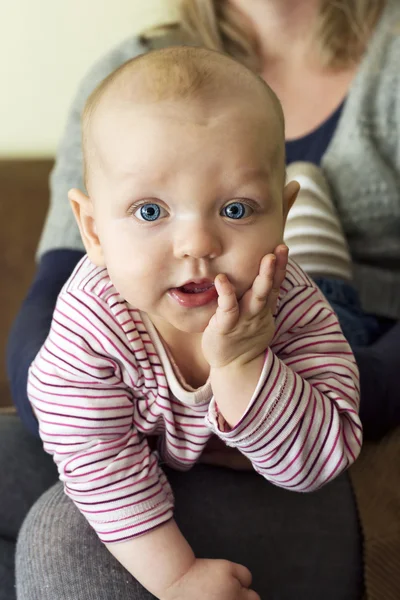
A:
(103, 385)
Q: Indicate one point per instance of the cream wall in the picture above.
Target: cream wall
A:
(46, 46)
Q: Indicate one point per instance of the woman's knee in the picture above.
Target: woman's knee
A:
(59, 556)
(26, 472)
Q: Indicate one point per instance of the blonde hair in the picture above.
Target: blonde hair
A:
(342, 32)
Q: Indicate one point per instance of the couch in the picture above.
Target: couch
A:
(23, 204)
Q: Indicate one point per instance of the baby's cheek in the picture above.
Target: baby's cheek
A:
(130, 286)
(135, 276)
(123, 251)
(246, 265)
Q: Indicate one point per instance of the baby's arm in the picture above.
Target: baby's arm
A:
(157, 559)
(164, 563)
(293, 409)
(84, 402)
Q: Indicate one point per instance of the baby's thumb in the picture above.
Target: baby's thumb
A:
(242, 574)
(250, 595)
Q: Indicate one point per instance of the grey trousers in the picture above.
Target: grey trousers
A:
(25, 473)
(298, 546)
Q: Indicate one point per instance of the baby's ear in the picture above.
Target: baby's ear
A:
(290, 192)
(82, 207)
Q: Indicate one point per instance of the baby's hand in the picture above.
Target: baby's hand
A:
(213, 580)
(243, 330)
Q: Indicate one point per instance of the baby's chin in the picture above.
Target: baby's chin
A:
(191, 325)
(193, 330)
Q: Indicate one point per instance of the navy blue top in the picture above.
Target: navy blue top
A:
(378, 364)
(312, 146)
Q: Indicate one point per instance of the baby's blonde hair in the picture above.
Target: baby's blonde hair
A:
(174, 73)
(342, 32)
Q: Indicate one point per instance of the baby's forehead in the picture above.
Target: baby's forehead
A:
(236, 120)
(193, 81)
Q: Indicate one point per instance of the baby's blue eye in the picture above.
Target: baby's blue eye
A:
(148, 212)
(235, 210)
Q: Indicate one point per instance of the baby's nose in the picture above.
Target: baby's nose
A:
(198, 241)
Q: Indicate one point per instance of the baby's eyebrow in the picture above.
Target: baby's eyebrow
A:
(254, 172)
(247, 175)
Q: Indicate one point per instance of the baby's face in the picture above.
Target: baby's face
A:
(180, 195)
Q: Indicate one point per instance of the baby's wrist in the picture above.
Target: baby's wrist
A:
(172, 590)
(233, 387)
(243, 363)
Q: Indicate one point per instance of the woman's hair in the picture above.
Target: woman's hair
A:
(342, 33)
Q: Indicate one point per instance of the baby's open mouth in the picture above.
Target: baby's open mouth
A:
(195, 288)
(195, 293)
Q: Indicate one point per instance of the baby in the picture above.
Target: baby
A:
(186, 322)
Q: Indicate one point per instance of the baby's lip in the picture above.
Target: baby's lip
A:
(195, 293)
(199, 282)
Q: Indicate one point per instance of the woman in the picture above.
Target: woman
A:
(324, 60)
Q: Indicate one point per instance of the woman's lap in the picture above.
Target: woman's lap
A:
(25, 473)
(297, 546)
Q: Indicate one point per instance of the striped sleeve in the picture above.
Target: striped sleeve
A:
(301, 428)
(85, 408)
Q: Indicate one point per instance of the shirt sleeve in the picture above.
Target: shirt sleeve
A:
(301, 428)
(85, 404)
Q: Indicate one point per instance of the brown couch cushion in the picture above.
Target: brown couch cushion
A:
(23, 203)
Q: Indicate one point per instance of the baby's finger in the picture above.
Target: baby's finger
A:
(262, 285)
(227, 313)
(281, 254)
(242, 574)
(250, 595)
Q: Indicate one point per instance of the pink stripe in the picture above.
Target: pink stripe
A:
(80, 407)
(150, 471)
(303, 463)
(81, 396)
(102, 492)
(103, 278)
(306, 439)
(69, 467)
(85, 428)
(118, 508)
(293, 309)
(339, 390)
(326, 366)
(322, 466)
(297, 274)
(252, 414)
(278, 421)
(91, 333)
(168, 418)
(108, 448)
